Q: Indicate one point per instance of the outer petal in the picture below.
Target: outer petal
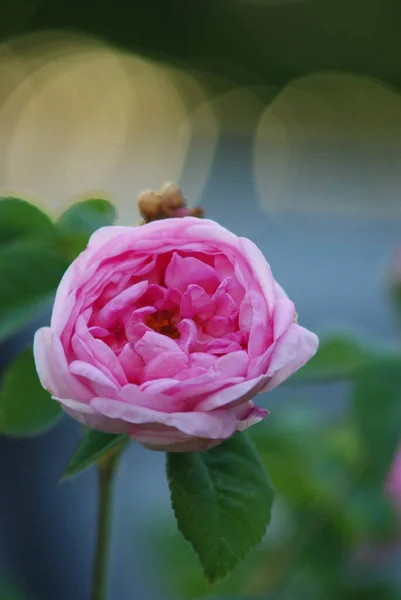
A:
(172, 441)
(52, 368)
(260, 270)
(213, 235)
(284, 316)
(219, 424)
(83, 413)
(155, 236)
(292, 351)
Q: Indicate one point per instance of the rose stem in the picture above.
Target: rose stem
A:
(106, 470)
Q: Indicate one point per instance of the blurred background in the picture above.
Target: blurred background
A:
(282, 118)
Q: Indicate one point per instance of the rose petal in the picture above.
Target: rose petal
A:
(52, 367)
(108, 314)
(131, 363)
(85, 414)
(189, 335)
(283, 317)
(233, 365)
(152, 344)
(260, 270)
(91, 373)
(97, 352)
(195, 301)
(164, 365)
(218, 424)
(291, 352)
(172, 441)
(257, 414)
(182, 272)
(219, 326)
(232, 395)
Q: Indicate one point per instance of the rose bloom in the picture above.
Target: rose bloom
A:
(166, 332)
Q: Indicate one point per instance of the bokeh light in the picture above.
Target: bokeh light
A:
(331, 142)
(80, 118)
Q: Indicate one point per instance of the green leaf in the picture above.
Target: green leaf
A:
(93, 446)
(26, 409)
(87, 216)
(30, 271)
(20, 219)
(222, 501)
(78, 223)
(376, 413)
(338, 358)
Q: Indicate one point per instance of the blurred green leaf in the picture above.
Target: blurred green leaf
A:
(338, 358)
(20, 219)
(179, 567)
(87, 216)
(371, 514)
(93, 446)
(30, 271)
(374, 591)
(376, 414)
(26, 409)
(222, 501)
(9, 591)
(78, 223)
(287, 444)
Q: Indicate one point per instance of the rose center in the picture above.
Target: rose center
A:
(163, 322)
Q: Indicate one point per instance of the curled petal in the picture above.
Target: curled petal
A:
(292, 351)
(255, 416)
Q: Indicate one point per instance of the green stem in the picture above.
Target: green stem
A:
(106, 469)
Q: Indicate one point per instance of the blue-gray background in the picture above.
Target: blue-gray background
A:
(335, 269)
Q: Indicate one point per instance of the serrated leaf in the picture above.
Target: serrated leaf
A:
(92, 447)
(338, 358)
(77, 224)
(376, 414)
(222, 501)
(30, 271)
(26, 409)
(20, 219)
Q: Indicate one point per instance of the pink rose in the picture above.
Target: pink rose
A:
(166, 332)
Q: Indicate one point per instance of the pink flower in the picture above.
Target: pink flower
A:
(166, 332)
